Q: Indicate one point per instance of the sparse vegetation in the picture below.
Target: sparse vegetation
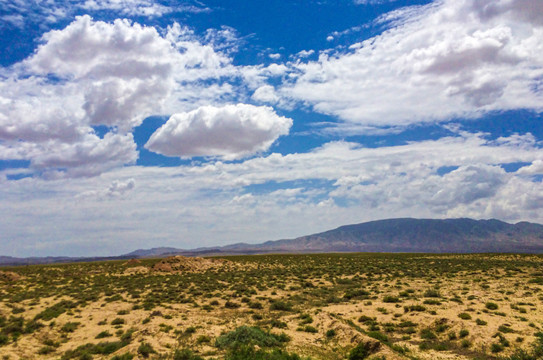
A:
(332, 306)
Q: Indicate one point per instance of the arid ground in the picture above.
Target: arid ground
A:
(325, 306)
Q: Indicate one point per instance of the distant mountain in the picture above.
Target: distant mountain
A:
(16, 261)
(413, 235)
(391, 235)
(396, 235)
(153, 252)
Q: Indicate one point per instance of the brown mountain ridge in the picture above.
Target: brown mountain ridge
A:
(461, 235)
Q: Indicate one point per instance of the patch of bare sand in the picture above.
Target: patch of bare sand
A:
(179, 264)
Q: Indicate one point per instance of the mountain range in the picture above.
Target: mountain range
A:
(390, 235)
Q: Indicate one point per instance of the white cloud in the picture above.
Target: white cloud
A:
(274, 56)
(88, 157)
(96, 73)
(15, 20)
(305, 53)
(116, 189)
(372, 2)
(124, 70)
(266, 94)
(46, 13)
(444, 60)
(229, 132)
(535, 168)
(148, 8)
(336, 184)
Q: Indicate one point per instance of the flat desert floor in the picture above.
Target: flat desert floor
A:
(323, 306)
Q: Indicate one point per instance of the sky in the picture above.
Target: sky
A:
(128, 124)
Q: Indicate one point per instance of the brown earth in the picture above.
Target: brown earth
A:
(179, 264)
(9, 276)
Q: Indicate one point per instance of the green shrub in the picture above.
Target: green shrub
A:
(145, 350)
(231, 305)
(278, 324)
(505, 329)
(431, 302)
(281, 306)
(46, 350)
(87, 350)
(186, 354)
(246, 352)
(69, 327)
(491, 306)
(246, 335)
(496, 348)
(391, 299)
(464, 316)
(363, 350)
(418, 308)
(310, 329)
(427, 334)
(190, 330)
(125, 356)
(55, 310)
(103, 334)
(126, 338)
(432, 293)
(378, 335)
(255, 305)
(203, 339)
(356, 294)
(117, 321)
(432, 345)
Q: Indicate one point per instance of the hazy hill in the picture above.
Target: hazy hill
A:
(415, 235)
(399, 235)
(391, 235)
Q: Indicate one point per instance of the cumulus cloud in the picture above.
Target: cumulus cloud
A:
(305, 53)
(88, 157)
(94, 73)
(229, 132)
(534, 168)
(123, 69)
(265, 93)
(436, 62)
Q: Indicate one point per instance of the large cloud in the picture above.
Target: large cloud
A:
(229, 132)
(94, 73)
(122, 69)
(448, 59)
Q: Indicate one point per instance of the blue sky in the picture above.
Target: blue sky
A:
(130, 124)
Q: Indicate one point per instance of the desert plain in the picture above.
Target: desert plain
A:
(277, 307)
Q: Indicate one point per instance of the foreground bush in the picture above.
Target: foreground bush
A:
(249, 353)
(363, 350)
(186, 354)
(250, 336)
